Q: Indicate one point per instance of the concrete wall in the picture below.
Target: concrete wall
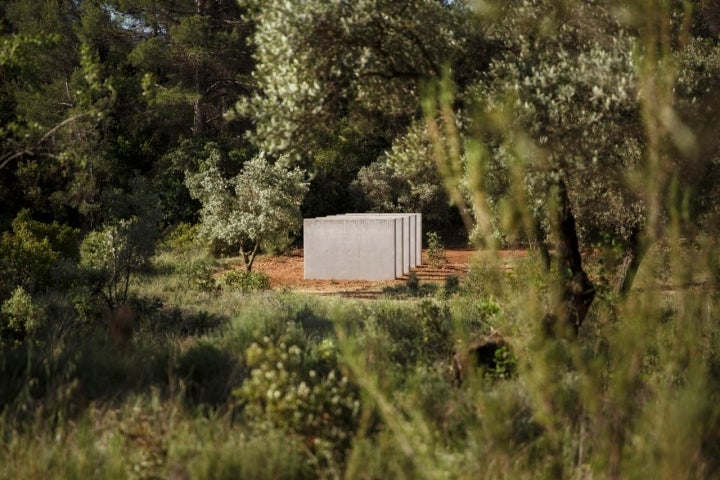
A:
(412, 229)
(362, 246)
(406, 245)
(351, 248)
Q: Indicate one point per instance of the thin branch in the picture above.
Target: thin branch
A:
(13, 157)
(42, 140)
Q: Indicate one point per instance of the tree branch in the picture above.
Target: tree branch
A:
(5, 161)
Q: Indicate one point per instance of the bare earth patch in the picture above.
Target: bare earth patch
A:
(286, 273)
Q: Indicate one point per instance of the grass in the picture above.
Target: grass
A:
(635, 395)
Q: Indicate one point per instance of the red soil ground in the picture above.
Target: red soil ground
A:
(286, 272)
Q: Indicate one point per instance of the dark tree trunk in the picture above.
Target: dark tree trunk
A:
(198, 106)
(633, 255)
(249, 256)
(577, 291)
(198, 116)
(540, 237)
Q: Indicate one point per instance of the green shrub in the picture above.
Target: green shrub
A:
(124, 244)
(244, 281)
(29, 253)
(19, 318)
(199, 273)
(413, 282)
(278, 244)
(300, 388)
(474, 316)
(436, 326)
(451, 285)
(181, 238)
(484, 276)
(206, 374)
(397, 336)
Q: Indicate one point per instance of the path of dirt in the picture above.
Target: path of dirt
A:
(286, 273)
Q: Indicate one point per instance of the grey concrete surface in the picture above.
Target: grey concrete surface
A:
(351, 248)
(368, 246)
(409, 235)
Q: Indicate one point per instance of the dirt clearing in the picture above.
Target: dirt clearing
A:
(286, 273)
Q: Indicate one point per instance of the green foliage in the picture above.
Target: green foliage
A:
(405, 179)
(110, 255)
(169, 182)
(260, 203)
(451, 285)
(244, 281)
(29, 254)
(350, 146)
(413, 282)
(199, 273)
(301, 388)
(505, 364)
(435, 250)
(194, 63)
(182, 238)
(333, 68)
(20, 318)
(412, 288)
(436, 327)
(18, 63)
(206, 375)
(394, 337)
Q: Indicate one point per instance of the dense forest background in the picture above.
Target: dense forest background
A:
(96, 94)
(150, 147)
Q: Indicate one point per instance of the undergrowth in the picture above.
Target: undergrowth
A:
(275, 385)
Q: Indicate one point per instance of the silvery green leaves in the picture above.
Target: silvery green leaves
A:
(573, 96)
(262, 201)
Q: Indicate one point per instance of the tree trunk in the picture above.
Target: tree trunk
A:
(633, 255)
(249, 257)
(578, 291)
(198, 116)
(540, 235)
(198, 106)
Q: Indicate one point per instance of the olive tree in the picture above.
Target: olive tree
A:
(576, 100)
(319, 62)
(551, 131)
(260, 203)
(577, 132)
(405, 179)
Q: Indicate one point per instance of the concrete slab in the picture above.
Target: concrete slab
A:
(351, 248)
(362, 246)
(405, 252)
(414, 231)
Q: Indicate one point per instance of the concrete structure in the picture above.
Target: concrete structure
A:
(362, 246)
(412, 234)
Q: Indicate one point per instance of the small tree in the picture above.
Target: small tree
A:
(261, 203)
(124, 244)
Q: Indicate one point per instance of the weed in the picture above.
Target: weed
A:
(435, 250)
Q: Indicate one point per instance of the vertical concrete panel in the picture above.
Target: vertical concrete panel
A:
(406, 244)
(362, 246)
(419, 237)
(412, 244)
(347, 248)
(409, 235)
(398, 247)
